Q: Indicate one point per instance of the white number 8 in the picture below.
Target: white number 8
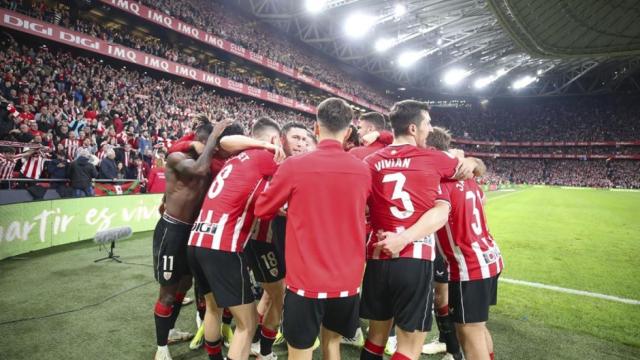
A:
(218, 183)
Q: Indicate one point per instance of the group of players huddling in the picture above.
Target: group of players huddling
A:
(359, 232)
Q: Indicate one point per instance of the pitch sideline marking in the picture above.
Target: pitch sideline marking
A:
(504, 195)
(571, 291)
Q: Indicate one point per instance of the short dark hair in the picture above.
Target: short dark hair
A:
(203, 130)
(374, 118)
(263, 124)
(353, 137)
(334, 114)
(293, 124)
(439, 138)
(404, 113)
(233, 129)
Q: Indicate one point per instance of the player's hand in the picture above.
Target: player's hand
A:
(391, 243)
(282, 212)
(219, 127)
(279, 154)
(465, 169)
(370, 138)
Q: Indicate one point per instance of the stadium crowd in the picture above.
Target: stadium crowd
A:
(585, 119)
(311, 65)
(67, 103)
(70, 104)
(592, 173)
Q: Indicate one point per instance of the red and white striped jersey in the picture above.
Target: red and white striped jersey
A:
(7, 164)
(32, 166)
(261, 231)
(465, 241)
(71, 147)
(226, 216)
(405, 185)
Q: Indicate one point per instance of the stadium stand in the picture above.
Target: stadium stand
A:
(51, 93)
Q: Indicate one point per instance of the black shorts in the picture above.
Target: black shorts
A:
(225, 274)
(265, 261)
(440, 269)
(170, 240)
(469, 301)
(279, 229)
(400, 289)
(302, 317)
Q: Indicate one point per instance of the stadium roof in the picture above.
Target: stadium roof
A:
(553, 47)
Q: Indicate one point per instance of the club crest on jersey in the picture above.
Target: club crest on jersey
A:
(274, 272)
(460, 185)
(167, 275)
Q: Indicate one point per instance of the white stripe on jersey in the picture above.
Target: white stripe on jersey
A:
(207, 220)
(238, 228)
(417, 251)
(217, 237)
(484, 268)
(462, 265)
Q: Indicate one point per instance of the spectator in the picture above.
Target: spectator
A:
(108, 167)
(82, 173)
(57, 169)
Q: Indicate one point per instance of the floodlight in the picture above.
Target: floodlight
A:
(484, 81)
(409, 58)
(454, 76)
(358, 25)
(524, 81)
(315, 6)
(384, 44)
(539, 72)
(501, 72)
(439, 42)
(399, 10)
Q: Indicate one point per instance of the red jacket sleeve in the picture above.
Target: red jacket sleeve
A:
(276, 194)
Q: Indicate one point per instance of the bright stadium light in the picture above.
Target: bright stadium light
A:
(483, 81)
(524, 82)
(539, 72)
(399, 10)
(409, 58)
(384, 44)
(501, 72)
(315, 6)
(358, 25)
(455, 76)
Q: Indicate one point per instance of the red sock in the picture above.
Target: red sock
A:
(399, 356)
(180, 297)
(443, 311)
(373, 348)
(491, 356)
(163, 310)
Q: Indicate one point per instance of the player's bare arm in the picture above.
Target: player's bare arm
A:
(184, 165)
(428, 223)
(238, 143)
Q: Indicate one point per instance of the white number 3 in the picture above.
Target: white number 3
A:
(398, 193)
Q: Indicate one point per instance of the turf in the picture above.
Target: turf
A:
(546, 235)
(580, 239)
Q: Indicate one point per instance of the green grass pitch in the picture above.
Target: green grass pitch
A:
(578, 239)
